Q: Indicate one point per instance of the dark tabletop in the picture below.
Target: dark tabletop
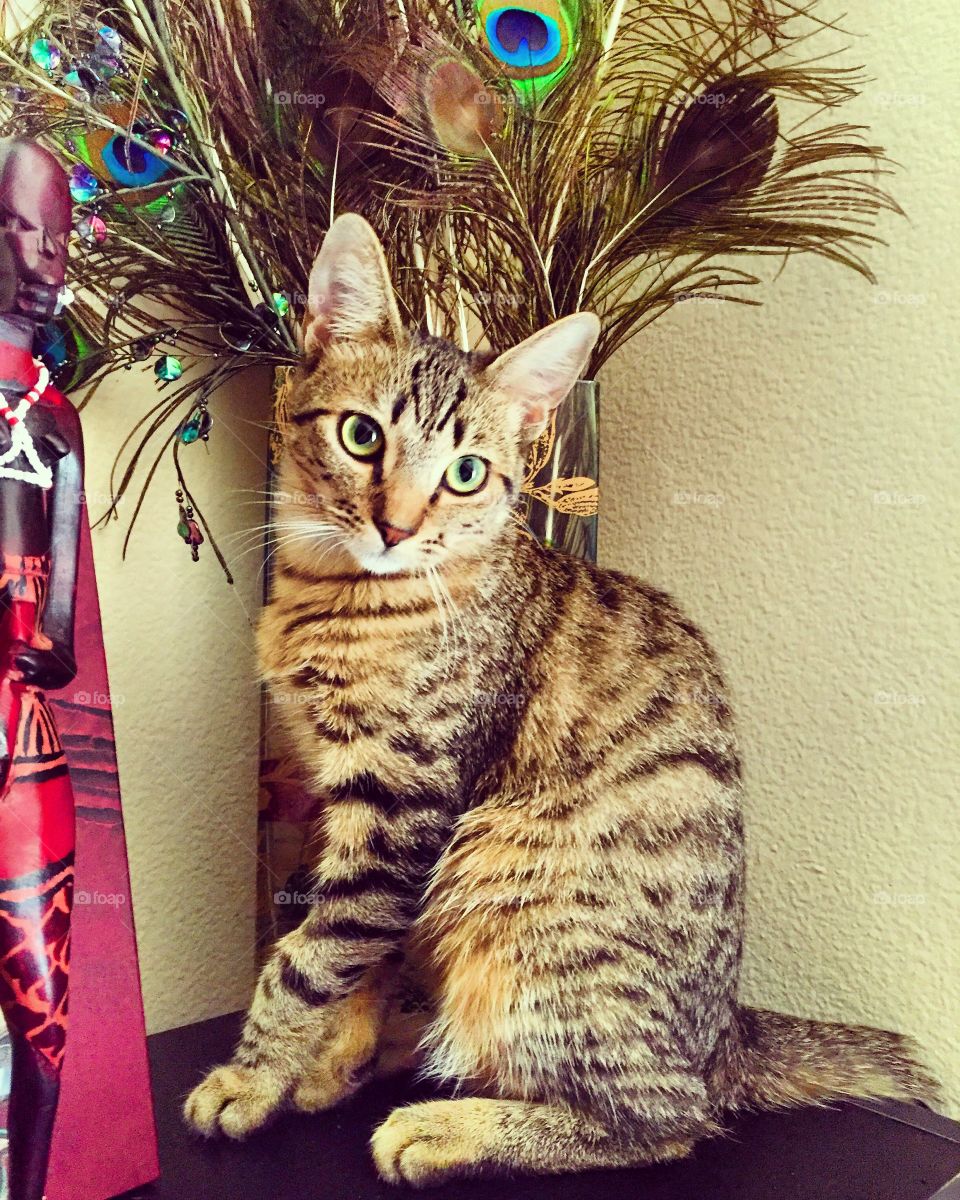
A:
(845, 1152)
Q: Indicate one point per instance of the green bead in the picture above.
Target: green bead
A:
(168, 368)
(45, 54)
(197, 425)
(183, 530)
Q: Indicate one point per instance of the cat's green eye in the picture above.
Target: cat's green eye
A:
(361, 436)
(466, 475)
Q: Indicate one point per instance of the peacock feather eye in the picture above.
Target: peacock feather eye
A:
(534, 41)
(361, 436)
(144, 178)
(466, 475)
(130, 165)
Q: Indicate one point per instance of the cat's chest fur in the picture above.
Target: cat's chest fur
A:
(381, 689)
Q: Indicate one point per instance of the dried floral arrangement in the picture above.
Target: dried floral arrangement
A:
(519, 161)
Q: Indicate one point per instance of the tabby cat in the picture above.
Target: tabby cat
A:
(532, 791)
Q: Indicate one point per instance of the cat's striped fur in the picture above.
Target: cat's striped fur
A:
(533, 798)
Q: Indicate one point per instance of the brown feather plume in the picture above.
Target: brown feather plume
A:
(719, 149)
(680, 139)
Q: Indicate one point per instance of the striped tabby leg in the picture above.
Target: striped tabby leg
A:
(313, 1056)
(427, 1144)
(312, 1031)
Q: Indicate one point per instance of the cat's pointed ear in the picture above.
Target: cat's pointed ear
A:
(350, 295)
(540, 372)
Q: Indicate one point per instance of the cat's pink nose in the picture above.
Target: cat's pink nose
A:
(393, 535)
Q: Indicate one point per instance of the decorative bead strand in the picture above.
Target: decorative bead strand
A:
(21, 441)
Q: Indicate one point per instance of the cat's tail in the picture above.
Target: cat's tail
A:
(781, 1061)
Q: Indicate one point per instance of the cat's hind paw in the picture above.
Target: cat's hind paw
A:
(233, 1100)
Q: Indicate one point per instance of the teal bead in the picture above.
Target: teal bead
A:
(197, 426)
(45, 54)
(168, 368)
(84, 185)
(109, 36)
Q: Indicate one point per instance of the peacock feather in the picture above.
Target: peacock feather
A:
(519, 161)
(533, 41)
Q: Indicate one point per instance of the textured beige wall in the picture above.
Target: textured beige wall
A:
(791, 474)
(180, 654)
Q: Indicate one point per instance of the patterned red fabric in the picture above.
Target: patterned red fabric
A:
(36, 832)
(35, 957)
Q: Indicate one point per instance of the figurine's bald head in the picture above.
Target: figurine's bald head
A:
(35, 223)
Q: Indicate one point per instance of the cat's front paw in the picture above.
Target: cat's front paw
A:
(426, 1144)
(233, 1100)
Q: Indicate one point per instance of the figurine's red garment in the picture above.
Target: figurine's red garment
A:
(36, 831)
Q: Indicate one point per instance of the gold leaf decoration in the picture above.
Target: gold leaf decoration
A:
(577, 496)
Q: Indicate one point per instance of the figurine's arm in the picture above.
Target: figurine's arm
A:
(57, 667)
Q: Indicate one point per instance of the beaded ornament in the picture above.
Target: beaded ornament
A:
(21, 440)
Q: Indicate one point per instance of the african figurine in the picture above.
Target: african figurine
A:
(41, 497)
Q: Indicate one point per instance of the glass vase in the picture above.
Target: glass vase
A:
(563, 471)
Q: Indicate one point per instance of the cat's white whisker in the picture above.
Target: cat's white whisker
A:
(264, 535)
(438, 600)
(447, 609)
(457, 616)
(295, 538)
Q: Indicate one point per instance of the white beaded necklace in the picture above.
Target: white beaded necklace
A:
(21, 441)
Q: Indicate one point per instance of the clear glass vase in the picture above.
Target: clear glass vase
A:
(562, 484)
